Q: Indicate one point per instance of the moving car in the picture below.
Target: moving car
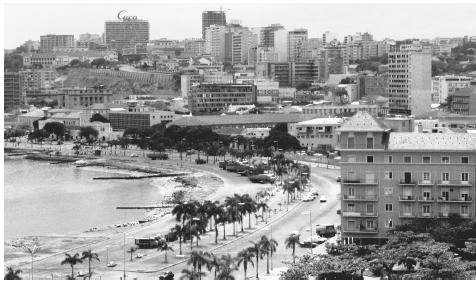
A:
(111, 264)
(307, 198)
(312, 241)
(323, 199)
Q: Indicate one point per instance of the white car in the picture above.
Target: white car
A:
(323, 199)
(134, 156)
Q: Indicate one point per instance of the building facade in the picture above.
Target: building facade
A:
(12, 91)
(297, 40)
(338, 110)
(215, 39)
(442, 86)
(212, 18)
(372, 85)
(51, 41)
(463, 101)
(140, 118)
(214, 98)
(317, 134)
(290, 74)
(81, 98)
(409, 80)
(121, 35)
(392, 178)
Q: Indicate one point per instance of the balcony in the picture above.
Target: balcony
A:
(407, 183)
(359, 214)
(425, 215)
(407, 215)
(407, 198)
(362, 146)
(355, 181)
(426, 199)
(454, 183)
(362, 198)
(361, 229)
(455, 200)
(425, 183)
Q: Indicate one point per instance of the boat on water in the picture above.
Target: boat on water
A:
(80, 163)
(111, 264)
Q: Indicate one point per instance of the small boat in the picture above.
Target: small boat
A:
(111, 264)
(80, 163)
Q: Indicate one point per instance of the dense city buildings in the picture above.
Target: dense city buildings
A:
(391, 178)
(333, 60)
(126, 33)
(12, 91)
(33, 81)
(213, 98)
(266, 38)
(372, 85)
(215, 39)
(463, 101)
(409, 80)
(442, 86)
(319, 134)
(290, 74)
(52, 41)
(324, 110)
(297, 40)
(212, 18)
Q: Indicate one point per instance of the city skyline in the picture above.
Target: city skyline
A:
(413, 19)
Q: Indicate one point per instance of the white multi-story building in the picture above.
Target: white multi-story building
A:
(329, 36)
(281, 44)
(215, 41)
(442, 86)
(317, 134)
(242, 41)
(409, 80)
(266, 55)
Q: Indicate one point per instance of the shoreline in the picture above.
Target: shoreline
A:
(130, 167)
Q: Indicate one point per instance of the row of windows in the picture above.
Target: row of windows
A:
(426, 176)
(425, 159)
(317, 136)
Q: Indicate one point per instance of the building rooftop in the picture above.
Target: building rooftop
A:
(66, 115)
(431, 141)
(37, 113)
(237, 119)
(363, 121)
(319, 121)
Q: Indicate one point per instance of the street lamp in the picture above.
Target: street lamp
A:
(310, 225)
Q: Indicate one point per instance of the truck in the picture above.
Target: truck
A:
(326, 230)
(158, 156)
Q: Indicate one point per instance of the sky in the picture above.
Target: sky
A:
(26, 21)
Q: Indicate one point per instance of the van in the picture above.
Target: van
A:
(325, 230)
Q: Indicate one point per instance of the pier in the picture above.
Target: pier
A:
(144, 207)
(140, 177)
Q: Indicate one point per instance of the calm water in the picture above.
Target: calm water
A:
(42, 199)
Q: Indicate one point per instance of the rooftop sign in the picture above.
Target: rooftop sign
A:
(125, 18)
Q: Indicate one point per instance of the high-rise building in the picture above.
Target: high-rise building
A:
(392, 178)
(290, 74)
(409, 80)
(281, 44)
(329, 36)
(50, 41)
(297, 40)
(12, 91)
(463, 101)
(212, 18)
(242, 41)
(215, 41)
(266, 55)
(333, 60)
(194, 47)
(35, 80)
(372, 85)
(267, 35)
(127, 33)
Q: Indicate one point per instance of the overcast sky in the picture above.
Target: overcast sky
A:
(183, 20)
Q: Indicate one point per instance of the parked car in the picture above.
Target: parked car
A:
(338, 179)
(323, 199)
(159, 156)
(307, 199)
(200, 161)
(134, 156)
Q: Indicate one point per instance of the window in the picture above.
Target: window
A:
(389, 159)
(464, 176)
(445, 160)
(370, 224)
(351, 191)
(370, 208)
(426, 209)
(426, 195)
(370, 159)
(407, 159)
(388, 207)
(370, 142)
(388, 191)
(426, 176)
(350, 142)
(426, 160)
(389, 223)
(464, 210)
(464, 160)
(388, 175)
(445, 176)
(350, 207)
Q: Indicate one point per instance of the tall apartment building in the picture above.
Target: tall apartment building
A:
(50, 41)
(463, 101)
(372, 85)
(12, 91)
(328, 37)
(391, 178)
(35, 80)
(126, 34)
(266, 55)
(215, 40)
(214, 98)
(409, 80)
(242, 41)
(442, 86)
(266, 38)
(289, 74)
(333, 60)
(297, 40)
(212, 18)
(281, 44)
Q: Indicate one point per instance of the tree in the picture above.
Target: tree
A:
(258, 254)
(99, 62)
(179, 232)
(213, 262)
(31, 248)
(56, 128)
(263, 207)
(197, 260)
(190, 275)
(88, 132)
(302, 85)
(244, 257)
(75, 63)
(12, 274)
(131, 251)
(72, 261)
(98, 117)
(291, 242)
(227, 266)
(268, 246)
(89, 255)
(164, 247)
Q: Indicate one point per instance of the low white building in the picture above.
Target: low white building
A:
(260, 133)
(317, 134)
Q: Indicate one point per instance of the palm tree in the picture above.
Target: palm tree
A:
(190, 275)
(249, 207)
(12, 274)
(197, 259)
(231, 204)
(213, 262)
(269, 247)
(226, 268)
(245, 257)
(164, 247)
(291, 242)
(214, 211)
(31, 249)
(180, 232)
(223, 218)
(131, 251)
(72, 261)
(263, 206)
(89, 255)
(183, 211)
(258, 254)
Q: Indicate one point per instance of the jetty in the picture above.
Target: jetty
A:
(145, 207)
(139, 177)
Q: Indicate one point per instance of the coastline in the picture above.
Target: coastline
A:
(205, 184)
